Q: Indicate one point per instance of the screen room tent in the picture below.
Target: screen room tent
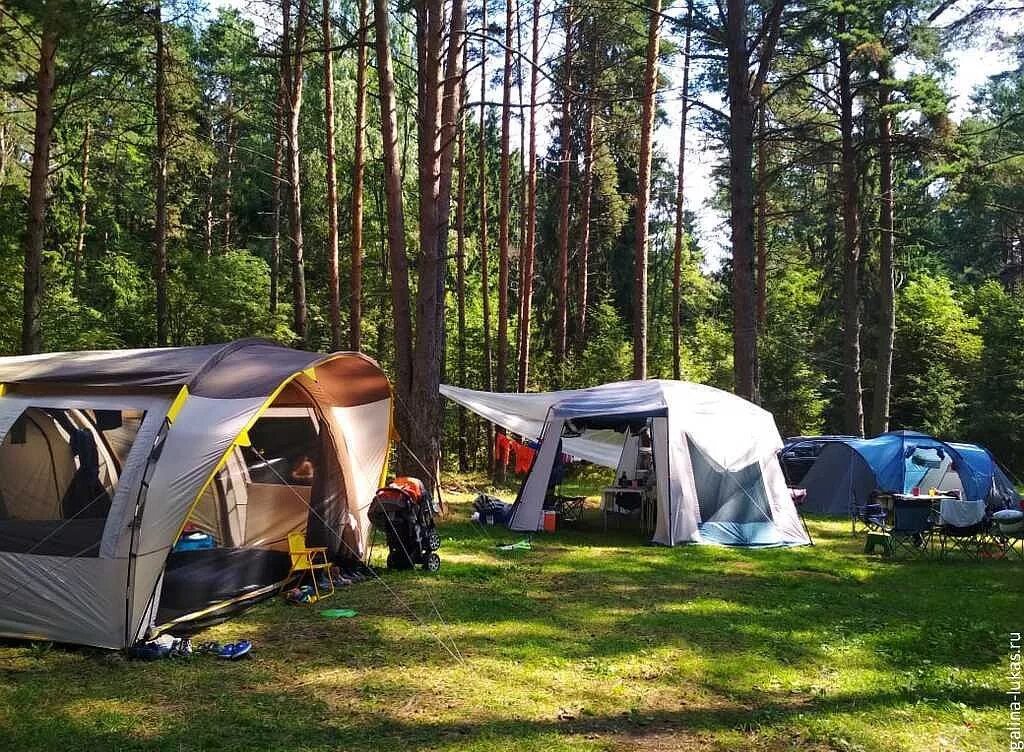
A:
(717, 475)
(106, 457)
(845, 474)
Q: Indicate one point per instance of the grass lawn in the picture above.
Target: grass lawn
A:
(587, 642)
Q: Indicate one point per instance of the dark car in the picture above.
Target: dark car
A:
(800, 452)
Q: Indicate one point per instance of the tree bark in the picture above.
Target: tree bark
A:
(886, 272)
(504, 203)
(295, 169)
(741, 199)
(358, 171)
(679, 245)
(643, 194)
(564, 184)
(333, 290)
(484, 250)
(400, 300)
(435, 129)
(531, 212)
(853, 409)
(31, 330)
(460, 273)
(160, 168)
(83, 208)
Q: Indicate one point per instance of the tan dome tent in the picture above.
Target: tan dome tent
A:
(108, 458)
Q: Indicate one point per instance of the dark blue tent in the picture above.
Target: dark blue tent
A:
(846, 472)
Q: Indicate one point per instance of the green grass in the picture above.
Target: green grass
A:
(587, 642)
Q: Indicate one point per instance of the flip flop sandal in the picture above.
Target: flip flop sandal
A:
(236, 650)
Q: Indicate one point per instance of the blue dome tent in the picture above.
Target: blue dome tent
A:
(847, 472)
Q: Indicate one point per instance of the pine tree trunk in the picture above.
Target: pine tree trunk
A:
(160, 168)
(531, 211)
(886, 272)
(761, 240)
(83, 208)
(460, 274)
(358, 170)
(853, 411)
(295, 172)
(435, 127)
(643, 195)
(679, 244)
(504, 217)
(564, 197)
(504, 204)
(275, 191)
(521, 238)
(31, 330)
(333, 291)
(741, 199)
(485, 285)
(400, 300)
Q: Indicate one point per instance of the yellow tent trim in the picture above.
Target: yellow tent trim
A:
(3, 390)
(179, 402)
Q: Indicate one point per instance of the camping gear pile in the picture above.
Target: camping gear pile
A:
(490, 510)
(404, 510)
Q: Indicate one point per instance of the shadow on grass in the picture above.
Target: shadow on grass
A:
(561, 623)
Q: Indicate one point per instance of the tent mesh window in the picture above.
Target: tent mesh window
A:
(59, 470)
(736, 496)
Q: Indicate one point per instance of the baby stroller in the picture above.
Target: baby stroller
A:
(404, 511)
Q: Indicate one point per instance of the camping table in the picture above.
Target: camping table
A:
(886, 499)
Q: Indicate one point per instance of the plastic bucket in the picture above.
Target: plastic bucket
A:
(550, 520)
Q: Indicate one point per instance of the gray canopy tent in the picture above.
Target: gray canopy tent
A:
(107, 456)
(717, 478)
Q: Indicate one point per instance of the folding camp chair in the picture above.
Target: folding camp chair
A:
(569, 508)
(971, 540)
(870, 514)
(963, 527)
(1008, 532)
(1012, 544)
(309, 559)
(908, 527)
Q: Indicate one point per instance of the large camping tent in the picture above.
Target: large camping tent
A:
(718, 479)
(107, 457)
(846, 472)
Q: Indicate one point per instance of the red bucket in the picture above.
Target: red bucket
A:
(550, 520)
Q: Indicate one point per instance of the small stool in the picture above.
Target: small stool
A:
(876, 539)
